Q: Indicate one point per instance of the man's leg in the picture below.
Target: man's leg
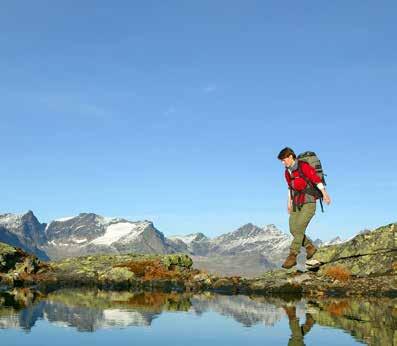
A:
(298, 222)
(306, 241)
(296, 338)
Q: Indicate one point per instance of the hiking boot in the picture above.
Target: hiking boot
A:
(310, 251)
(290, 260)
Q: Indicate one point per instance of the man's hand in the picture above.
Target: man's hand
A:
(289, 207)
(326, 197)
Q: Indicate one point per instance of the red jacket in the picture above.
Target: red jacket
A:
(298, 183)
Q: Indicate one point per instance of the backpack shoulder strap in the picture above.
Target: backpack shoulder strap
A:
(289, 177)
(301, 174)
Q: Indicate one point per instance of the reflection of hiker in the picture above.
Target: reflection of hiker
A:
(305, 186)
(297, 331)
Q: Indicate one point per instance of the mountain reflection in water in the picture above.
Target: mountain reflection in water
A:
(369, 320)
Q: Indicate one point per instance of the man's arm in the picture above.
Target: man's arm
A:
(289, 204)
(311, 174)
(326, 197)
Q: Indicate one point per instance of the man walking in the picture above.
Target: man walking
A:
(301, 178)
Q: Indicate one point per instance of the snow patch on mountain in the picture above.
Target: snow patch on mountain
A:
(10, 220)
(63, 219)
(121, 230)
(187, 239)
(106, 220)
(79, 241)
(99, 220)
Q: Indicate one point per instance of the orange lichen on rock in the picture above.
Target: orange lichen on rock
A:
(150, 269)
(338, 272)
(152, 299)
(337, 308)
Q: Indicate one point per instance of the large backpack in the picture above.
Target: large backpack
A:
(312, 159)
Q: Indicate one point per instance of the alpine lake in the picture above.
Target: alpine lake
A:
(95, 317)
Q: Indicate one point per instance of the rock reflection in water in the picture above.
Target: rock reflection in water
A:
(373, 320)
(369, 320)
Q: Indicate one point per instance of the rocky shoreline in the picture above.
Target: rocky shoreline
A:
(364, 266)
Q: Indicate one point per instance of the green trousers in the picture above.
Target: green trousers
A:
(298, 221)
(298, 332)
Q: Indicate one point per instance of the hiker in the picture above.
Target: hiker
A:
(302, 181)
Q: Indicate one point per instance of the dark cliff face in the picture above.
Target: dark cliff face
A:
(24, 231)
(25, 227)
(85, 225)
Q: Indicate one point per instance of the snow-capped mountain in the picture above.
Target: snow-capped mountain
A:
(333, 241)
(248, 250)
(250, 238)
(91, 233)
(189, 238)
(83, 234)
(251, 241)
(78, 229)
(246, 239)
(195, 244)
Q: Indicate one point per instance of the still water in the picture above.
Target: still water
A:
(88, 317)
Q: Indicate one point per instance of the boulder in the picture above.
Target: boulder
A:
(371, 253)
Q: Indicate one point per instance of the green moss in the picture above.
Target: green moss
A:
(117, 275)
(181, 260)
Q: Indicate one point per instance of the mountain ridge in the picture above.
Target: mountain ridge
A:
(248, 247)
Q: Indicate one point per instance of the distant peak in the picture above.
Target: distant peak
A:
(29, 215)
(188, 238)
(17, 215)
(88, 214)
(248, 226)
(270, 226)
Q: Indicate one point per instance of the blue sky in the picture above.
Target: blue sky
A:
(175, 111)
